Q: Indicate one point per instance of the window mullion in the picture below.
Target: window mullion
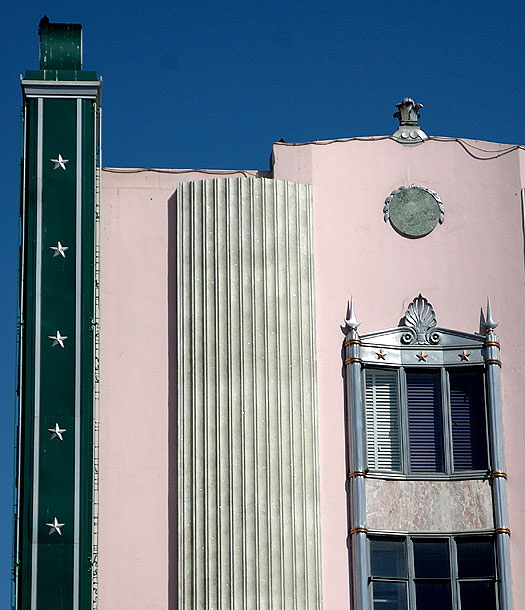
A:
(454, 582)
(411, 575)
(403, 421)
(447, 421)
(368, 562)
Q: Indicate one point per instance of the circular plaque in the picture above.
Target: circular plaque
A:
(413, 210)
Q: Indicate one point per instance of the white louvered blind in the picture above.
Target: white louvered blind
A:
(382, 420)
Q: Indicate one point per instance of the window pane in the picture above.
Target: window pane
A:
(433, 596)
(477, 595)
(390, 596)
(475, 557)
(388, 557)
(425, 423)
(382, 420)
(431, 559)
(467, 407)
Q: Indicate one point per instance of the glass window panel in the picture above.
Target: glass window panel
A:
(431, 559)
(467, 409)
(475, 557)
(390, 596)
(433, 596)
(425, 421)
(430, 572)
(478, 595)
(382, 420)
(388, 557)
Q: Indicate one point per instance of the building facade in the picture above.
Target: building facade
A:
(251, 439)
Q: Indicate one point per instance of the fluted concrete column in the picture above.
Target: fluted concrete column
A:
(248, 463)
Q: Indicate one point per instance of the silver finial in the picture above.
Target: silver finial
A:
(489, 323)
(351, 322)
(408, 131)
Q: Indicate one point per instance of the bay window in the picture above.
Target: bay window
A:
(426, 420)
(423, 402)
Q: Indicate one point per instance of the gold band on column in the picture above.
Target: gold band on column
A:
(502, 530)
(356, 473)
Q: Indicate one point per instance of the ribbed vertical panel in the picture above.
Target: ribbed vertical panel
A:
(248, 465)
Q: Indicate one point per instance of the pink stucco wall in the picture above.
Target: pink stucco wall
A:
(133, 406)
(134, 538)
(478, 251)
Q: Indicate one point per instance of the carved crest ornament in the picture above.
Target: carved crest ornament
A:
(409, 132)
(419, 320)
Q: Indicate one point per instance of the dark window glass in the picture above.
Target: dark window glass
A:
(388, 557)
(443, 571)
(425, 422)
(433, 596)
(390, 596)
(467, 409)
(431, 559)
(477, 595)
(475, 557)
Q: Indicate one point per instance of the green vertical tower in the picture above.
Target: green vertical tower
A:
(56, 554)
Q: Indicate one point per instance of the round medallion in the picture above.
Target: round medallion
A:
(413, 210)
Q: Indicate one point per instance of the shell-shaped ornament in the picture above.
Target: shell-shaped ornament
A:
(420, 316)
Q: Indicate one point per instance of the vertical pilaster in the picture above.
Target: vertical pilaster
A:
(498, 472)
(248, 463)
(55, 475)
(356, 460)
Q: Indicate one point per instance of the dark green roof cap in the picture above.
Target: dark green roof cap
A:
(60, 45)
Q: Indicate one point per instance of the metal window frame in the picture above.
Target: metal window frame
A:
(446, 418)
(454, 579)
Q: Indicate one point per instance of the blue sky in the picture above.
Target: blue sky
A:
(211, 85)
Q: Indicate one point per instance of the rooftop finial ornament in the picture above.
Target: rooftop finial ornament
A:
(408, 131)
(351, 322)
(489, 323)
